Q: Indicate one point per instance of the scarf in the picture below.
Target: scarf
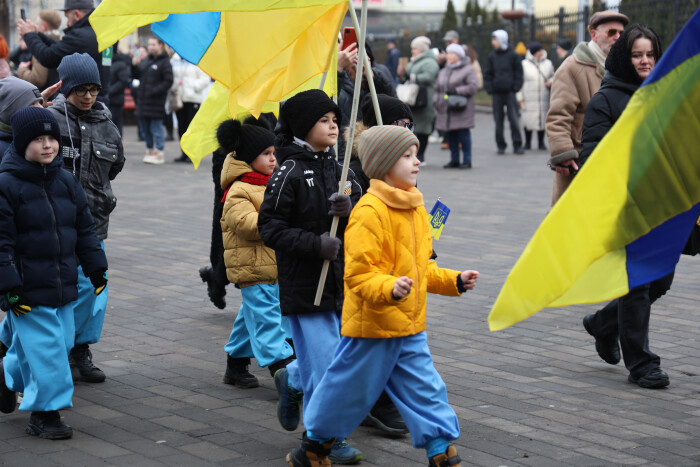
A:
(254, 178)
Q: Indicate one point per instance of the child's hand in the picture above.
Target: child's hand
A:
(340, 205)
(402, 287)
(469, 279)
(330, 246)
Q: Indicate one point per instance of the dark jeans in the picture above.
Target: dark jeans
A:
(423, 140)
(118, 117)
(185, 116)
(628, 318)
(453, 138)
(508, 101)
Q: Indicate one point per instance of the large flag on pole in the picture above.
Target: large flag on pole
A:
(624, 220)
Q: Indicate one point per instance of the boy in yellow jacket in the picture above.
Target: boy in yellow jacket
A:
(388, 273)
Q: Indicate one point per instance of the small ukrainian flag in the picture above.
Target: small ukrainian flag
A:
(437, 218)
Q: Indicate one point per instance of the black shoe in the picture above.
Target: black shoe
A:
(48, 425)
(519, 151)
(466, 165)
(608, 350)
(279, 365)
(527, 146)
(501, 151)
(216, 293)
(8, 398)
(182, 158)
(80, 358)
(655, 378)
(385, 416)
(169, 137)
(451, 165)
(237, 373)
(542, 147)
(310, 453)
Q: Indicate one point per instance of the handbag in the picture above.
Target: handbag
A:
(175, 98)
(456, 103)
(412, 94)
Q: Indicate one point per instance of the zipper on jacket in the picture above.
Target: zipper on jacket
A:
(416, 283)
(58, 240)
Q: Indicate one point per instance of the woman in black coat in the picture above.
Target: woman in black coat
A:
(630, 61)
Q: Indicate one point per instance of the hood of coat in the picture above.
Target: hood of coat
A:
(611, 80)
(533, 59)
(233, 169)
(502, 37)
(619, 61)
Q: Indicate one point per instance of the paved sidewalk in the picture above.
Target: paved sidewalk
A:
(535, 394)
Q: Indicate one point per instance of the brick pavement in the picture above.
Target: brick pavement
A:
(535, 394)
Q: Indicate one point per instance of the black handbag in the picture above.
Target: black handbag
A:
(422, 97)
(456, 103)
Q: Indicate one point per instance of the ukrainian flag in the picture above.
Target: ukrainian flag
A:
(624, 220)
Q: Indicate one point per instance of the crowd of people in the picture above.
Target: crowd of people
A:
(361, 355)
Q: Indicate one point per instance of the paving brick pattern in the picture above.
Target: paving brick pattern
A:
(535, 394)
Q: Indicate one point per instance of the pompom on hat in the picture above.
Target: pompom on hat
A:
(381, 146)
(249, 139)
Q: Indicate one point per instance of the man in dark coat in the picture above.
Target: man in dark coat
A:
(79, 37)
(120, 78)
(503, 77)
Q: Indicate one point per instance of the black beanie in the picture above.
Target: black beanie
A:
(534, 47)
(31, 122)
(301, 112)
(249, 139)
(77, 69)
(392, 109)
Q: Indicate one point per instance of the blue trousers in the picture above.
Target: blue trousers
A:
(37, 359)
(6, 332)
(258, 330)
(316, 336)
(152, 129)
(453, 138)
(89, 310)
(361, 370)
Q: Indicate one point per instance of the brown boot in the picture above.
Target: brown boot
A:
(448, 458)
(310, 453)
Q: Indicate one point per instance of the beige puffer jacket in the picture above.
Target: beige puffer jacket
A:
(248, 261)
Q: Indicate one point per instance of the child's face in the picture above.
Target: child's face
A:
(266, 162)
(324, 133)
(87, 99)
(42, 149)
(404, 173)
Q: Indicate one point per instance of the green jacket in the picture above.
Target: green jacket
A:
(426, 69)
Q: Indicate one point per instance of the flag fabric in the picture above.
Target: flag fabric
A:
(437, 218)
(262, 52)
(625, 218)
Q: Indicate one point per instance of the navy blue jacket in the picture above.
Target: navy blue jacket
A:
(45, 228)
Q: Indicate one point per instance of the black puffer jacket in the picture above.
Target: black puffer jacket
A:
(119, 79)
(292, 218)
(155, 78)
(45, 227)
(78, 38)
(503, 72)
(97, 140)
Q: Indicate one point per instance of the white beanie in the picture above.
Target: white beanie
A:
(421, 43)
(456, 49)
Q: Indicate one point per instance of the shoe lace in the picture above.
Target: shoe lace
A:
(294, 395)
(341, 444)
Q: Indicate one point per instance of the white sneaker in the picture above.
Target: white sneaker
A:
(158, 158)
(149, 155)
(434, 139)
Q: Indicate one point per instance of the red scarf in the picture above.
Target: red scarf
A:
(254, 178)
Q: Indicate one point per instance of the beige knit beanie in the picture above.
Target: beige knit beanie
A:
(381, 146)
(421, 43)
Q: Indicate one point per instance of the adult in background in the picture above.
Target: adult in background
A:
(155, 75)
(503, 77)
(79, 37)
(456, 78)
(538, 72)
(119, 81)
(564, 49)
(194, 84)
(474, 62)
(630, 61)
(575, 82)
(392, 59)
(48, 23)
(424, 68)
(451, 37)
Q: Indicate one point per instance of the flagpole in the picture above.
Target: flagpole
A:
(351, 136)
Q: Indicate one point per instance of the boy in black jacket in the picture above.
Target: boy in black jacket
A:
(295, 219)
(45, 228)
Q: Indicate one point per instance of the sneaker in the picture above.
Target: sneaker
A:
(343, 453)
(519, 151)
(656, 378)
(237, 373)
(451, 165)
(466, 165)
(608, 350)
(447, 459)
(385, 416)
(501, 151)
(289, 400)
(48, 425)
(278, 365)
(8, 398)
(434, 139)
(216, 294)
(310, 454)
(158, 158)
(80, 358)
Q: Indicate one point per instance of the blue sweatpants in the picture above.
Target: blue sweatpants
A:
(361, 370)
(258, 330)
(37, 360)
(316, 336)
(89, 310)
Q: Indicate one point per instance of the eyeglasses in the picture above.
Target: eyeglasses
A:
(407, 125)
(81, 91)
(613, 31)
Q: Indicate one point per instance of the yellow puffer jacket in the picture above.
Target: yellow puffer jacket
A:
(248, 261)
(388, 237)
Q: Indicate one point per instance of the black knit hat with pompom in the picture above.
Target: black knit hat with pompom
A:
(248, 139)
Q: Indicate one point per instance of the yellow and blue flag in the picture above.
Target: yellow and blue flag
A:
(625, 218)
(438, 217)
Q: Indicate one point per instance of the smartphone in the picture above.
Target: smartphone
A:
(349, 37)
(23, 14)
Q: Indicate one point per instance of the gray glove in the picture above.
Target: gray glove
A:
(340, 205)
(329, 246)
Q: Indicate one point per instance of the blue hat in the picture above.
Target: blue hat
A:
(76, 70)
(31, 122)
